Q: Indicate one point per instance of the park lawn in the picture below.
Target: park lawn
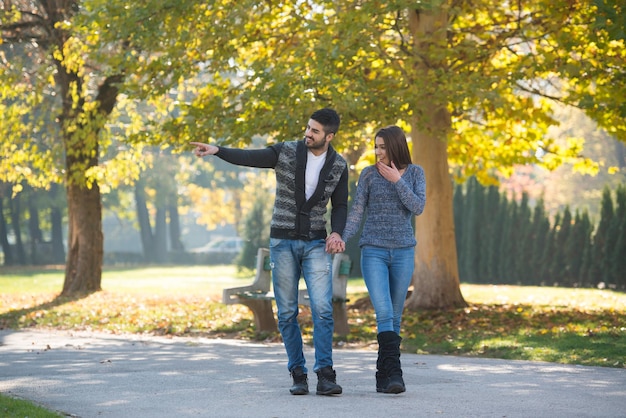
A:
(18, 408)
(561, 325)
(14, 407)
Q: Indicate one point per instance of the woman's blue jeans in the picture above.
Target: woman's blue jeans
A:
(387, 273)
(290, 260)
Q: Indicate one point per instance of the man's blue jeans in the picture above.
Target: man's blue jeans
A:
(291, 259)
(387, 273)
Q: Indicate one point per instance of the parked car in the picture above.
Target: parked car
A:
(229, 245)
(218, 251)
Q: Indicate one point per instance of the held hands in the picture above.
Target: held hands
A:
(334, 244)
(203, 150)
(390, 173)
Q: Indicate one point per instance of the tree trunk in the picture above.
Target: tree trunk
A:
(15, 210)
(436, 278)
(4, 240)
(34, 229)
(143, 217)
(160, 233)
(175, 242)
(56, 221)
(83, 271)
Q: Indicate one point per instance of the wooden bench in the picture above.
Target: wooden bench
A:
(258, 296)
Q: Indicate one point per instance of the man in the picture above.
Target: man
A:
(309, 173)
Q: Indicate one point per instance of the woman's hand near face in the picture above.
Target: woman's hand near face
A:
(389, 173)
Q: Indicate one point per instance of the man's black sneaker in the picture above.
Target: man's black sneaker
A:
(327, 383)
(300, 383)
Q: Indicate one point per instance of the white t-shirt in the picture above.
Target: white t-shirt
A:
(314, 164)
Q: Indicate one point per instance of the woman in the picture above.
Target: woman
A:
(388, 195)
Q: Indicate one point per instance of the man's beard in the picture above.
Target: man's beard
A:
(315, 144)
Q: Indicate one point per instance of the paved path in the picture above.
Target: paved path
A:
(99, 375)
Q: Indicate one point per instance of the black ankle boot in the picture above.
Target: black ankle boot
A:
(381, 374)
(327, 382)
(300, 382)
(390, 350)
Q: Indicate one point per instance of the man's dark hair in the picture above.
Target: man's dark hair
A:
(328, 118)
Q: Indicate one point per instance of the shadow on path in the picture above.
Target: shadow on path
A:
(99, 375)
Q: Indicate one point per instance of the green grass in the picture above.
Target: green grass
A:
(569, 326)
(18, 408)
(154, 280)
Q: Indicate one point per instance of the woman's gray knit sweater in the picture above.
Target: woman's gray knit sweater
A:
(387, 208)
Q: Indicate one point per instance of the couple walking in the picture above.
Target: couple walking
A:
(309, 174)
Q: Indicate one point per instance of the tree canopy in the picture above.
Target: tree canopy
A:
(473, 83)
